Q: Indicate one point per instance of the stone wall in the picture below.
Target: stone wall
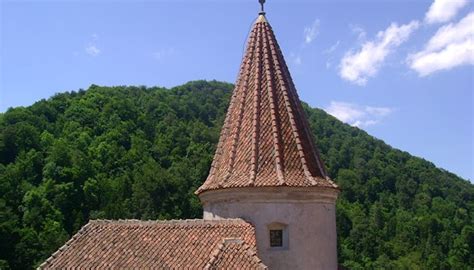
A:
(307, 217)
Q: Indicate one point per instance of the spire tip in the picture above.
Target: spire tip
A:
(262, 2)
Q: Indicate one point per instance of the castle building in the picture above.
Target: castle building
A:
(268, 201)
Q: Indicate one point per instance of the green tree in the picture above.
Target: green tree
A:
(138, 152)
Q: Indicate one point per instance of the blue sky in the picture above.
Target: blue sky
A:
(401, 70)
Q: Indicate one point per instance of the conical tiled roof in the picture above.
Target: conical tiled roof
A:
(266, 140)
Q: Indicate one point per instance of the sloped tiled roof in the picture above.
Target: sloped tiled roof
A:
(179, 244)
(266, 139)
(234, 252)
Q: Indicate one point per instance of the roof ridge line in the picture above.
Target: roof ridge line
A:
(246, 68)
(256, 114)
(321, 167)
(253, 254)
(214, 255)
(291, 116)
(65, 246)
(247, 248)
(223, 134)
(183, 222)
(276, 132)
(225, 129)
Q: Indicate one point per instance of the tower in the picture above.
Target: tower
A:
(267, 169)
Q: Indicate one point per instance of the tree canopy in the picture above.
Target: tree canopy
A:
(138, 152)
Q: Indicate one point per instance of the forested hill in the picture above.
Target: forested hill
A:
(137, 152)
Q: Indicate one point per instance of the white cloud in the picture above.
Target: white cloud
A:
(356, 115)
(310, 32)
(366, 123)
(358, 66)
(452, 45)
(379, 111)
(346, 112)
(332, 48)
(296, 58)
(444, 10)
(359, 31)
(453, 55)
(92, 49)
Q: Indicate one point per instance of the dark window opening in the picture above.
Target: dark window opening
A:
(276, 238)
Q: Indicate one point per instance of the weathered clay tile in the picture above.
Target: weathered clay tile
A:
(134, 244)
(232, 253)
(266, 140)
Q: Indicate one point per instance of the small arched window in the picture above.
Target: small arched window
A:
(278, 236)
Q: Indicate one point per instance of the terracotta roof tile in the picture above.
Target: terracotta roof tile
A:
(266, 139)
(234, 253)
(176, 244)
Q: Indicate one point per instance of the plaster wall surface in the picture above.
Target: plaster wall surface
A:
(310, 225)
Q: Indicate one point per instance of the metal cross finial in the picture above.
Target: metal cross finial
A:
(261, 5)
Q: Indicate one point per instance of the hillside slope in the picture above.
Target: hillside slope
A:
(136, 152)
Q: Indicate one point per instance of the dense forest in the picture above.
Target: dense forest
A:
(137, 152)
